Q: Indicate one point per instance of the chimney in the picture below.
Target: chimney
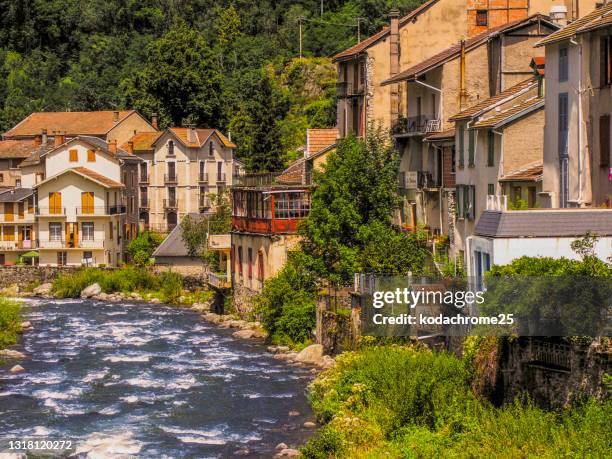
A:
(59, 138)
(394, 61)
(191, 134)
(116, 116)
(44, 136)
(130, 147)
(38, 140)
(558, 15)
(154, 120)
(112, 146)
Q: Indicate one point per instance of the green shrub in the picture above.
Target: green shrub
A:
(70, 285)
(10, 320)
(171, 287)
(392, 401)
(142, 247)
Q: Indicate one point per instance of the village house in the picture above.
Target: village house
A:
(502, 154)
(181, 168)
(578, 109)
(266, 211)
(18, 224)
(464, 75)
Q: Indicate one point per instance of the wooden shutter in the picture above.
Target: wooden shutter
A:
(87, 202)
(75, 232)
(604, 140)
(55, 203)
(91, 156)
(73, 155)
(9, 215)
(9, 233)
(67, 226)
(20, 209)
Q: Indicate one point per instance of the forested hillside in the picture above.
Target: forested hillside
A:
(227, 64)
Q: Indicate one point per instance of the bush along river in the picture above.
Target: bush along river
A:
(148, 381)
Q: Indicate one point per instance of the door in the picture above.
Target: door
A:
(87, 202)
(55, 203)
(9, 215)
(172, 220)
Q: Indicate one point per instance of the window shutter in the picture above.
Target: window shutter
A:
(73, 155)
(472, 202)
(472, 146)
(604, 140)
(603, 61)
(490, 148)
(461, 146)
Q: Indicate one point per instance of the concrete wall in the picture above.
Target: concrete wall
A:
(59, 160)
(126, 129)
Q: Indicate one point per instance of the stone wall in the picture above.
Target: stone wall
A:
(337, 327)
(243, 300)
(24, 275)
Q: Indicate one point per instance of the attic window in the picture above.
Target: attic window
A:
(73, 156)
(210, 149)
(170, 148)
(91, 156)
(482, 18)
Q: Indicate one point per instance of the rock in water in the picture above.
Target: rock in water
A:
(44, 289)
(294, 413)
(92, 290)
(288, 452)
(9, 354)
(27, 325)
(17, 369)
(244, 334)
(309, 424)
(281, 446)
(311, 354)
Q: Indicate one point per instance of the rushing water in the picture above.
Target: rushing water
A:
(147, 380)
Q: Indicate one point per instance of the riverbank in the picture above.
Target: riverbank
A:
(400, 401)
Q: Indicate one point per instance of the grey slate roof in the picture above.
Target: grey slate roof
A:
(173, 245)
(15, 194)
(545, 223)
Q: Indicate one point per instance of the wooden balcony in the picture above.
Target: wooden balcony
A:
(348, 89)
(265, 226)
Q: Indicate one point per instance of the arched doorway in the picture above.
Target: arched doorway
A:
(171, 218)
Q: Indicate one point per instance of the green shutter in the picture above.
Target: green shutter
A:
(472, 146)
(461, 145)
(490, 148)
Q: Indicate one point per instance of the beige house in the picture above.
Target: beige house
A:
(577, 143)
(180, 169)
(17, 224)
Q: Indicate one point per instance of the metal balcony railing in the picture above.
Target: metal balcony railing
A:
(221, 177)
(416, 125)
(204, 201)
(348, 89)
(170, 178)
(54, 210)
(171, 203)
(144, 202)
(18, 245)
(144, 178)
(203, 177)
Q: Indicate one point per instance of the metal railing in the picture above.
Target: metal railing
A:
(218, 280)
(417, 125)
(144, 202)
(203, 177)
(41, 211)
(170, 178)
(144, 178)
(221, 177)
(204, 201)
(91, 243)
(18, 245)
(171, 203)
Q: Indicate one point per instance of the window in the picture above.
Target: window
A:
(471, 147)
(291, 205)
(91, 156)
(55, 231)
(531, 197)
(563, 64)
(87, 202)
(170, 148)
(250, 262)
(87, 230)
(240, 260)
(21, 209)
(172, 171)
(490, 148)
(453, 159)
(73, 155)
(466, 201)
(9, 210)
(563, 156)
(434, 106)
(62, 258)
(260, 266)
(491, 189)
(461, 146)
(9, 233)
(1, 178)
(87, 258)
(606, 61)
(110, 231)
(143, 172)
(211, 149)
(482, 18)
(17, 183)
(14, 163)
(604, 140)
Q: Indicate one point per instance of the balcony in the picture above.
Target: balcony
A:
(144, 202)
(204, 202)
(413, 180)
(416, 125)
(81, 244)
(50, 211)
(26, 217)
(203, 177)
(221, 178)
(117, 209)
(170, 178)
(91, 244)
(346, 89)
(18, 245)
(172, 203)
(100, 211)
(144, 178)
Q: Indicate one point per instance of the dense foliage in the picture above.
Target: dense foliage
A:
(393, 401)
(230, 64)
(10, 320)
(142, 247)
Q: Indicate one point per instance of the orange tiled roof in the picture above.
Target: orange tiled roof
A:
(143, 141)
(319, 139)
(365, 44)
(528, 173)
(523, 107)
(443, 135)
(16, 148)
(201, 135)
(455, 50)
(498, 99)
(595, 19)
(103, 180)
(73, 123)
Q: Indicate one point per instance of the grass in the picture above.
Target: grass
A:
(166, 286)
(402, 402)
(10, 322)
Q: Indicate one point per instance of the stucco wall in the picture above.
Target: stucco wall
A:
(59, 160)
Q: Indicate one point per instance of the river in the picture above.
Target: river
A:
(148, 380)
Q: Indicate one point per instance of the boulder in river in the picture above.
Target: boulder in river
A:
(17, 369)
(92, 290)
(309, 425)
(26, 325)
(244, 334)
(281, 446)
(43, 289)
(312, 354)
(10, 354)
(288, 452)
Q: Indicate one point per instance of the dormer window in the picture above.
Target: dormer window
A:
(210, 149)
(170, 148)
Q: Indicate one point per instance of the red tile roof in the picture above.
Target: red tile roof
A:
(103, 180)
(319, 139)
(143, 141)
(443, 135)
(17, 148)
(73, 123)
(201, 136)
(528, 173)
(522, 108)
(455, 50)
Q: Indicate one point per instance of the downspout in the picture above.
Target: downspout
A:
(579, 136)
(462, 76)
